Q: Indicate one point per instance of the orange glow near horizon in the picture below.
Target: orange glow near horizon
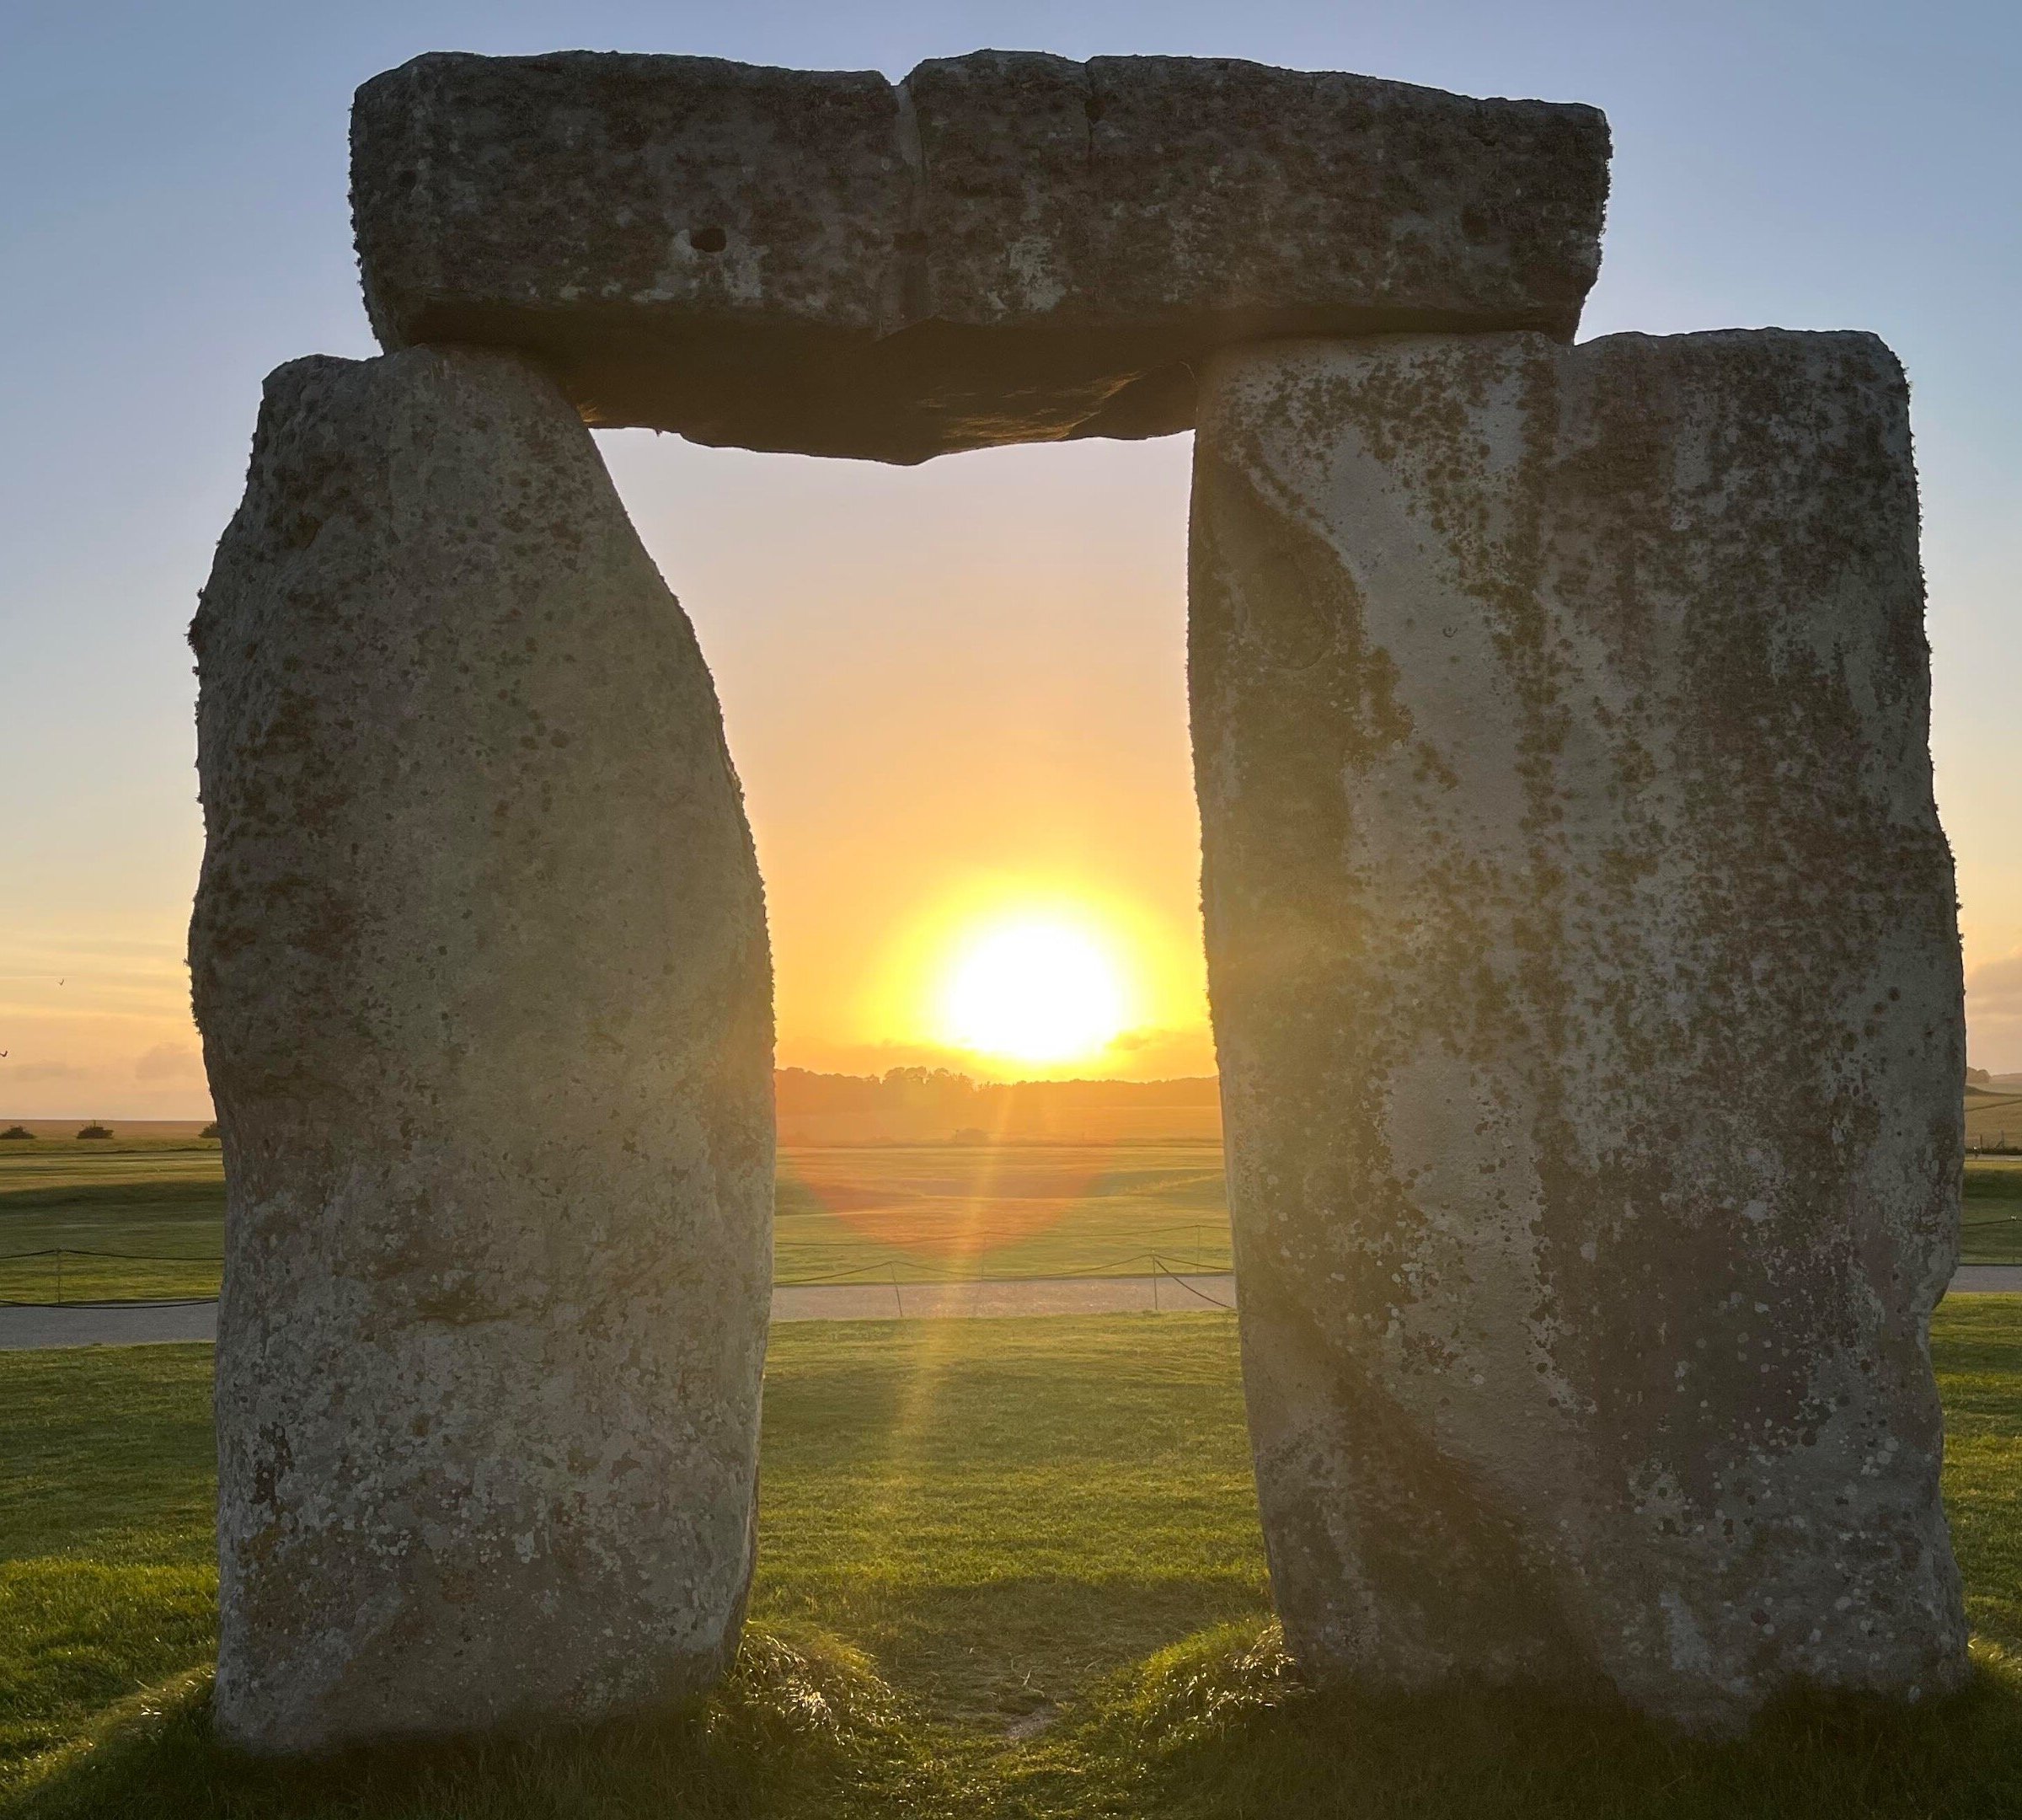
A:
(1006, 978)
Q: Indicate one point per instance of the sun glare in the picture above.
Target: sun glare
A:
(1033, 988)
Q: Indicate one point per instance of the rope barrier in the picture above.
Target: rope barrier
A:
(878, 1271)
(884, 1275)
(180, 1301)
(1161, 1268)
(131, 1257)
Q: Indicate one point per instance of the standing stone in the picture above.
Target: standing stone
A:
(1006, 247)
(480, 961)
(1581, 943)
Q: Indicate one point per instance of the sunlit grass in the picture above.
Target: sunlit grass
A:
(1006, 1568)
(915, 1212)
(931, 1212)
(919, 1212)
(1994, 1118)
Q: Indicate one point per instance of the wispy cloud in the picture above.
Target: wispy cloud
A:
(44, 1071)
(1993, 1013)
(169, 1060)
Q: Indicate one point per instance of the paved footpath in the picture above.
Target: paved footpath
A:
(160, 1322)
(21, 1328)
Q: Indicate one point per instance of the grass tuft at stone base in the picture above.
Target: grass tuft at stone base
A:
(1219, 1727)
(802, 1716)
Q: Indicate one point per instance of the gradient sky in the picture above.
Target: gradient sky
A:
(940, 683)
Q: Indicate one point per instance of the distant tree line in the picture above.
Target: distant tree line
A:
(922, 1103)
(943, 1092)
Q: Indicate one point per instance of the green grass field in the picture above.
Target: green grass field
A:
(917, 1213)
(921, 1213)
(1007, 1568)
(1991, 1214)
(160, 1198)
(1994, 1115)
(925, 1211)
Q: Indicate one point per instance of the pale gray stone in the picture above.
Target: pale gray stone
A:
(1005, 247)
(480, 961)
(1582, 951)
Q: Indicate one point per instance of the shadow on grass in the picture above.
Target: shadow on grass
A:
(802, 1726)
(1219, 1726)
(984, 1654)
(1216, 1727)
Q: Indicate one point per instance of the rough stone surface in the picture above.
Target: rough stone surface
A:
(1006, 247)
(1581, 947)
(480, 961)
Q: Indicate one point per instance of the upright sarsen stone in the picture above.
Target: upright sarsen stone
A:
(1582, 951)
(479, 958)
(1005, 247)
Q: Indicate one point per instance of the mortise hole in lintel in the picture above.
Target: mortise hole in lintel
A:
(708, 239)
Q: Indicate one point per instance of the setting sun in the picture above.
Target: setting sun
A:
(1031, 976)
(1033, 988)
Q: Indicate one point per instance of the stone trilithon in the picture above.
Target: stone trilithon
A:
(1586, 981)
(480, 962)
(1581, 934)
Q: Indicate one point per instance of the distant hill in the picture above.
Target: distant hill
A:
(935, 1105)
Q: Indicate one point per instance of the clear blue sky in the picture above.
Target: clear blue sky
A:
(175, 224)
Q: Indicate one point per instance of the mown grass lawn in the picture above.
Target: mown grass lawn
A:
(909, 1212)
(160, 1201)
(1007, 1568)
(1993, 1118)
(81, 1223)
(1992, 1212)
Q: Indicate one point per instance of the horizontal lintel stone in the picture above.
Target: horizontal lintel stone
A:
(1005, 247)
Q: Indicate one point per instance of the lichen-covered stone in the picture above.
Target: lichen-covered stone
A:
(1582, 951)
(479, 959)
(1004, 247)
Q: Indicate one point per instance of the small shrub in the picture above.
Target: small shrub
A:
(210, 1130)
(16, 1131)
(96, 1130)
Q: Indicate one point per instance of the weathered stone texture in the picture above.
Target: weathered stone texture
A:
(1005, 247)
(1581, 944)
(479, 958)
